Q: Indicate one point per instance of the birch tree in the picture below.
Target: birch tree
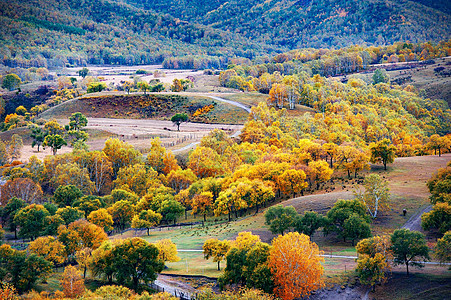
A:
(375, 195)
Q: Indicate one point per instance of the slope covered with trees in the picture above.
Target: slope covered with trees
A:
(58, 33)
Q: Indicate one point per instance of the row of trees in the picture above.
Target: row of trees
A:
(290, 267)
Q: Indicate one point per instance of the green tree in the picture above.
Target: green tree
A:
(249, 267)
(38, 135)
(143, 86)
(380, 76)
(178, 119)
(54, 141)
(83, 72)
(66, 195)
(31, 220)
(11, 82)
(383, 151)
(340, 212)
(69, 214)
(280, 218)
(88, 204)
(356, 228)
(23, 270)
(135, 260)
(309, 223)
(170, 210)
(408, 247)
(77, 121)
(10, 210)
(95, 87)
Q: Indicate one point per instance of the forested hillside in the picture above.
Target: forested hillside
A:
(319, 23)
(57, 33)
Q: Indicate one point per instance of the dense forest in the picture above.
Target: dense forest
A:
(55, 34)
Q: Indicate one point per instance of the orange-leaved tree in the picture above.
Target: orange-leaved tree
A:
(72, 282)
(295, 262)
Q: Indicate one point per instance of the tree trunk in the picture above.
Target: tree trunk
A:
(148, 231)
(205, 217)
(84, 272)
(219, 268)
(407, 267)
(385, 165)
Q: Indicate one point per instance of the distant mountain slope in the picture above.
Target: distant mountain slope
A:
(55, 33)
(317, 23)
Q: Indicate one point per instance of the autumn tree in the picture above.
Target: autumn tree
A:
(443, 248)
(146, 219)
(72, 282)
(167, 250)
(280, 218)
(292, 181)
(137, 178)
(383, 151)
(320, 172)
(278, 95)
(375, 195)
(73, 174)
(178, 119)
(373, 260)
(439, 218)
(439, 185)
(295, 262)
(216, 249)
(435, 143)
(122, 213)
(202, 203)
(22, 188)
(120, 154)
(83, 258)
(101, 218)
(79, 234)
(14, 147)
(205, 162)
(180, 179)
(161, 160)
(408, 247)
(49, 248)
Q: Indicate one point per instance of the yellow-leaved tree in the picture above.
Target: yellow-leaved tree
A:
(49, 248)
(167, 250)
(295, 262)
